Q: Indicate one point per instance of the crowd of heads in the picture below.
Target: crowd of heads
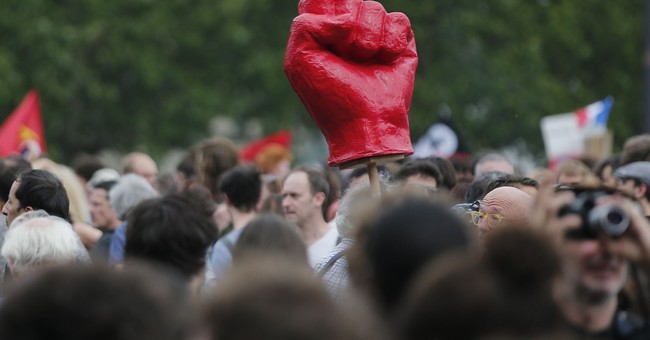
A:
(429, 248)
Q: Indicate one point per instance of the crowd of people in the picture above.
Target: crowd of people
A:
(219, 249)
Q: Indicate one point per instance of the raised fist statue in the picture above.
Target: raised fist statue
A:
(353, 66)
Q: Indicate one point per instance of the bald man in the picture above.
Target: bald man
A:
(503, 206)
(142, 165)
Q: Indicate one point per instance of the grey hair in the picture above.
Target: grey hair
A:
(349, 205)
(489, 157)
(36, 239)
(130, 190)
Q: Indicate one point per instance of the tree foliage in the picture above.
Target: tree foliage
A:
(151, 74)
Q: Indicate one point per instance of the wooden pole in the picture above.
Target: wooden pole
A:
(373, 175)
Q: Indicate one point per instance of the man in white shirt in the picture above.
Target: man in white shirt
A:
(305, 199)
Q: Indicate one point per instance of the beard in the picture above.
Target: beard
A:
(590, 290)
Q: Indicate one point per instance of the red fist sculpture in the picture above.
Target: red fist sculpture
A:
(353, 66)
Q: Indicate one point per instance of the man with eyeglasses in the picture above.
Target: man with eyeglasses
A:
(502, 206)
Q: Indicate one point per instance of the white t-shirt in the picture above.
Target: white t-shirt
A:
(321, 248)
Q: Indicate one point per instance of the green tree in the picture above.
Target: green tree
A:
(147, 74)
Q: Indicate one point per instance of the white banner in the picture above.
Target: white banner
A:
(563, 137)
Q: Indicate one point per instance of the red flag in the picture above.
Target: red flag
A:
(23, 130)
(252, 149)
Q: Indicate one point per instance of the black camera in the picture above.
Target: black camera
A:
(607, 219)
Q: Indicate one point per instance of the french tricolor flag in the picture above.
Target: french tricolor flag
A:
(594, 116)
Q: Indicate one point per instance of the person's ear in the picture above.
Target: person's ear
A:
(226, 200)
(640, 190)
(28, 208)
(319, 198)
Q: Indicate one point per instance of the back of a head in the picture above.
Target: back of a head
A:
(421, 167)
(37, 240)
(78, 200)
(80, 303)
(576, 169)
(506, 293)
(399, 242)
(10, 171)
(636, 149)
(271, 156)
(270, 234)
(40, 189)
(130, 161)
(272, 299)
(173, 230)
(243, 186)
(86, 165)
(214, 157)
(129, 190)
(353, 203)
(447, 172)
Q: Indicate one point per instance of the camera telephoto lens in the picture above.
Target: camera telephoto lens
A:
(609, 219)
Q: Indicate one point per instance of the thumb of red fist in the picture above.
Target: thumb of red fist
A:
(353, 66)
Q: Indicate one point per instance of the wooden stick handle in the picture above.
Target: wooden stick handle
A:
(374, 179)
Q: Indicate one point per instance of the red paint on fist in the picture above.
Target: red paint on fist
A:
(353, 66)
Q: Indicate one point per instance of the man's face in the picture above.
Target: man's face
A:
(628, 187)
(593, 273)
(505, 205)
(101, 212)
(298, 204)
(493, 215)
(608, 177)
(425, 181)
(12, 208)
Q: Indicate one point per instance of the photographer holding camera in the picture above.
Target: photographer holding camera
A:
(599, 234)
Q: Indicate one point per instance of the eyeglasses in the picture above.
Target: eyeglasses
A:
(493, 220)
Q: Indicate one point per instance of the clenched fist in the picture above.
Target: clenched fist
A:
(353, 66)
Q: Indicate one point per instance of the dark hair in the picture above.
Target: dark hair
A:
(274, 299)
(271, 233)
(12, 166)
(511, 181)
(447, 172)
(215, 156)
(494, 294)
(422, 167)
(272, 204)
(40, 189)
(476, 189)
(106, 185)
(175, 230)
(85, 166)
(102, 304)
(395, 244)
(243, 186)
(187, 165)
(317, 183)
(614, 161)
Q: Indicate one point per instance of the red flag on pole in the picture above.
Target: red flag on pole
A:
(250, 150)
(23, 130)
